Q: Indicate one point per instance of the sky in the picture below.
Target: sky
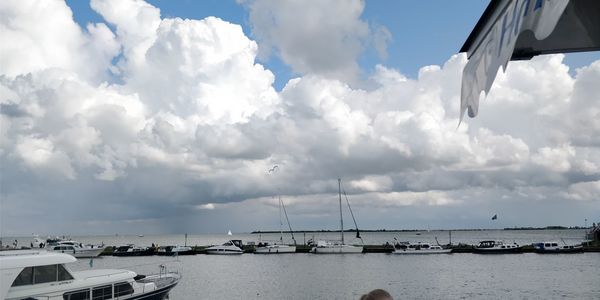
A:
(123, 116)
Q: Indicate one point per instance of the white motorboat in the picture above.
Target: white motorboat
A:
(75, 248)
(419, 248)
(497, 247)
(233, 247)
(266, 248)
(39, 274)
(555, 247)
(335, 247)
(278, 247)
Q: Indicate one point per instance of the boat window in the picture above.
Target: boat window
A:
(63, 274)
(547, 245)
(555, 244)
(122, 289)
(25, 277)
(102, 292)
(77, 295)
(43, 274)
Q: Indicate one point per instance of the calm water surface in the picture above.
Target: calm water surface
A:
(309, 276)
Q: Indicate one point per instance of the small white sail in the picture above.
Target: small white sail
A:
(229, 232)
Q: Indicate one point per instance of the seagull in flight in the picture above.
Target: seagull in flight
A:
(273, 169)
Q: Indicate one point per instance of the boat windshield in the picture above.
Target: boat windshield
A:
(42, 274)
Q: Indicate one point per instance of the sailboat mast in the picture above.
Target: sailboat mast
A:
(280, 222)
(341, 215)
(288, 222)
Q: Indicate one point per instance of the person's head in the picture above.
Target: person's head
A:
(377, 294)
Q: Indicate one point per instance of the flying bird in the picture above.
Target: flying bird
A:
(273, 169)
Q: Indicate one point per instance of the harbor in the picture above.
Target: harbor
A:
(302, 274)
(250, 249)
(459, 241)
(333, 149)
(306, 275)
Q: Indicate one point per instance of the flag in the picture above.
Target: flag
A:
(495, 217)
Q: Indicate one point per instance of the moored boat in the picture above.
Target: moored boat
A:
(278, 247)
(339, 247)
(39, 274)
(266, 248)
(133, 250)
(419, 248)
(175, 250)
(233, 247)
(333, 247)
(497, 247)
(74, 248)
(555, 247)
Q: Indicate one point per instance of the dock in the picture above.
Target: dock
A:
(460, 248)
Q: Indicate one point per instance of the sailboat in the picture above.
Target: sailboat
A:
(339, 247)
(275, 248)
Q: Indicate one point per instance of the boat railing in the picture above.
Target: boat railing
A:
(163, 278)
(21, 252)
(104, 275)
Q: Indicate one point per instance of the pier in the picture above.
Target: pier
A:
(460, 248)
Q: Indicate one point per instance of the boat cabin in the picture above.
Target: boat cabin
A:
(488, 244)
(237, 243)
(63, 249)
(496, 245)
(26, 273)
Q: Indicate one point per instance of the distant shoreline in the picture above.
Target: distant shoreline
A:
(425, 230)
(13, 236)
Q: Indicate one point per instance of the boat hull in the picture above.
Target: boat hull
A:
(345, 249)
(422, 252)
(171, 253)
(560, 251)
(85, 253)
(160, 294)
(218, 252)
(497, 250)
(275, 250)
(148, 252)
